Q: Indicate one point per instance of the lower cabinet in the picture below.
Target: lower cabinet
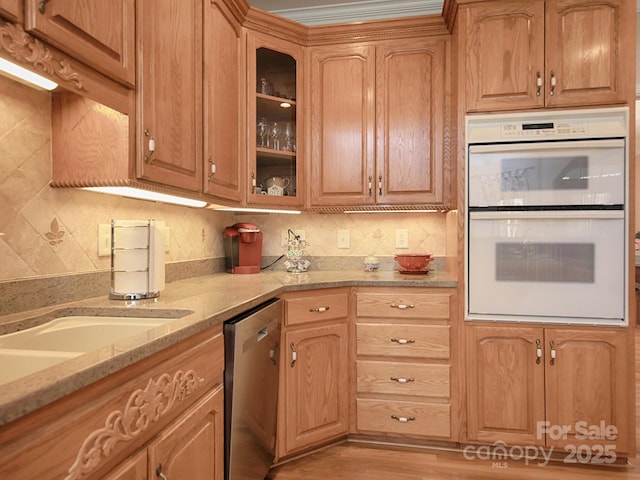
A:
(189, 448)
(313, 403)
(403, 366)
(566, 388)
(162, 415)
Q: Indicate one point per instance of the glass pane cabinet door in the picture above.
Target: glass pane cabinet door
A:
(273, 125)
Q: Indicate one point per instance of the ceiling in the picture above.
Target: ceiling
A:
(323, 12)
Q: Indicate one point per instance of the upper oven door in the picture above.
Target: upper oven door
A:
(567, 173)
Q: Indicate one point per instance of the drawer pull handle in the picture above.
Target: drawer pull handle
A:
(403, 419)
(319, 309)
(402, 341)
(402, 380)
(402, 306)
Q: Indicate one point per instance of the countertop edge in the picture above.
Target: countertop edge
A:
(25, 395)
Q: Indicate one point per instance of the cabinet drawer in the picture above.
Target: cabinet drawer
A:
(398, 378)
(315, 308)
(403, 305)
(408, 418)
(414, 341)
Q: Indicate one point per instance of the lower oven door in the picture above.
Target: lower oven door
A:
(560, 267)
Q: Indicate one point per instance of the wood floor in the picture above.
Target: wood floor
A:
(357, 461)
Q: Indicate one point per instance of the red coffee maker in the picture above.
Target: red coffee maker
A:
(243, 248)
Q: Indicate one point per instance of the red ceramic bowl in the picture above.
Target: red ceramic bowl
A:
(413, 261)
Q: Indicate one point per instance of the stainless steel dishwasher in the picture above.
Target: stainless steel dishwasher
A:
(252, 342)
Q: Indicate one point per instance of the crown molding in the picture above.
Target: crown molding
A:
(361, 11)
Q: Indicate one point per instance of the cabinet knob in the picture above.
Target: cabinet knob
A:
(42, 6)
(370, 185)
(552, 360)
(553, 83)
(379, 185)
(212, 168)
(538, 350)
(538, 83)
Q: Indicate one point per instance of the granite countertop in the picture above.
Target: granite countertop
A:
(209, 301)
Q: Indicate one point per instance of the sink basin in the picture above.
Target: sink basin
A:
(79, 333)
(18, 363)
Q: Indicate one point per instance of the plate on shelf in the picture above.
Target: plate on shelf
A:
(413, 272)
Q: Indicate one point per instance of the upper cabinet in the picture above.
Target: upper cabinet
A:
(169, 93)
(99, 34)
(224, 160)
(377, 121)
(274, 86)
(522, 54)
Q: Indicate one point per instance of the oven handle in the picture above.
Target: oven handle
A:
(535, 146)
(548, 215)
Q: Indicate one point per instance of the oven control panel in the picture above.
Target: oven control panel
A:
(561, 129)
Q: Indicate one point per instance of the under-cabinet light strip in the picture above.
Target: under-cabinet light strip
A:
(22, 74)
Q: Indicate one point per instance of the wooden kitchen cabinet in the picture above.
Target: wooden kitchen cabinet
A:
(275, 144)
(166, 410)
(520, 377)
(225, 164)
(12, 10)
(193, 446)
(169, 91)
(377, 118)
(404, 380)
(99, 34)
(521, 54)
(314, 380)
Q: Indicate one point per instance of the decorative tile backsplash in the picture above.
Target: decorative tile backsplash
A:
(48, 232)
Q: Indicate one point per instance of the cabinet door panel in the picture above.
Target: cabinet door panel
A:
(222, 48)
(134, 468)
(410, 81)
(193, 447)
(316, 385)
(504, 50)
(100, 34)
(586, 57)
(588, 382)
(170, 92)
(342, 126)
(12, 10)
(505, 385)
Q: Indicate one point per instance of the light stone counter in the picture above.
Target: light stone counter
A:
(211, 299)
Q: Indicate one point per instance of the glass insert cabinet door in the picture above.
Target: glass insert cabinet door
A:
(274, 122)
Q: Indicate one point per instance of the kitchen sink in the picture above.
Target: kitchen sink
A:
(18, 363)
(79, 333)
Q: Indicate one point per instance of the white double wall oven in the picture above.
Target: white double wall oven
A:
(547, 227)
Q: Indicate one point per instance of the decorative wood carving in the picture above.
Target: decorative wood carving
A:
(143, 409)
(26, 49)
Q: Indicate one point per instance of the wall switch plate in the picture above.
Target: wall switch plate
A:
(343, 238)
(104, 240)
(402, 238)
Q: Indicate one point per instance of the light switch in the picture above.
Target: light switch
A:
(343, 238)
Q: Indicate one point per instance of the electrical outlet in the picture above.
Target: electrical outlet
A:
(104, 240)
(402, 238)
(343, 238)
